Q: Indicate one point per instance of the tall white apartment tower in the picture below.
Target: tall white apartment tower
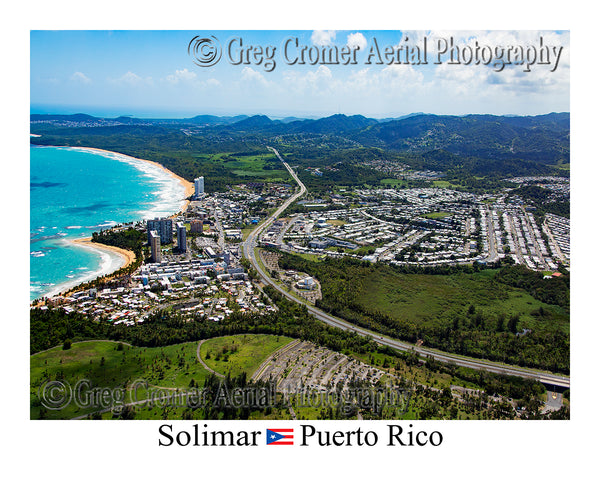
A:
(199, 186)
(155, 246)
(181, 237)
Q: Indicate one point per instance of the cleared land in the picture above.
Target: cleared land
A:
(256, 168)
(305, 366)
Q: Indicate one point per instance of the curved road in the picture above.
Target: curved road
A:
(248, 249)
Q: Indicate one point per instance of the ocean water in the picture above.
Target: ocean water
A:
(74, 192)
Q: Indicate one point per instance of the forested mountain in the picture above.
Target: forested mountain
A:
(477, 145)
(543, 138)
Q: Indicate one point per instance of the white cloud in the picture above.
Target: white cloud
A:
(251, 76)
(319, 82)
(323, 37)
(79, 77)
(357, 40)
(181, 76)
(512, 79)
(132, 79)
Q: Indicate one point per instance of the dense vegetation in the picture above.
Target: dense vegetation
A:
(466, 148)
(127, 239)
(543, 201)
(52, 327)
(504, 315)
(554, 291)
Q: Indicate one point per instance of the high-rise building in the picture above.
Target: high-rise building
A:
(196, 226)
(199, 186)
(164, 227)
(155, 246)
(181, 237)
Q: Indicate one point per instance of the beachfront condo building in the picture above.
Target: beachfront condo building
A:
(164, 227)
(199, 186)
(181, 237)
(196, 226)
(155, 246)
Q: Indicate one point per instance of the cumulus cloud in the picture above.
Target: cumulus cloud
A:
(132, 80)
(80, 77)
(181, 76)
(512, 80)
(251, 76)
(323, 37)
(357, 40)
(319, 81)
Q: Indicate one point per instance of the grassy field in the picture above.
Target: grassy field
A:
(393, 182)
(336, 222)
(436, 215)
(261, 167)
(105, 366)
(240, 353)
(426, 298)
(444, 184)
(108, 365)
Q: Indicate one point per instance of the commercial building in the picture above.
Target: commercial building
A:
(164, 227)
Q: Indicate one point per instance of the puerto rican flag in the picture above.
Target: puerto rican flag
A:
(280, 436)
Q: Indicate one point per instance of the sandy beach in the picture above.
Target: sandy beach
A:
(114, 258)
(127, 255)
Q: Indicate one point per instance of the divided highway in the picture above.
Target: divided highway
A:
(249, 252)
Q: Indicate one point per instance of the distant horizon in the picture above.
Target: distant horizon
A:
(149, 73)
(159, 114)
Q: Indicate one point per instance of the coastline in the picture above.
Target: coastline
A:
(127, 256)
(188, 186)
(113, 258)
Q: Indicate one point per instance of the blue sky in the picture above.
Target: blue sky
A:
(150, 73)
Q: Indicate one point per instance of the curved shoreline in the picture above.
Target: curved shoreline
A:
(127, 256)
(188, 186)
(113, 259)
(109, 253)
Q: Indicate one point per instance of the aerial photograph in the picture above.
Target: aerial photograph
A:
(299, 225)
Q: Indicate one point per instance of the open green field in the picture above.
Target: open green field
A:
(237, 354)
(311, 256)
(436, 215)
(394, 182)
(427, 298)
(114, 366)
(260, 167)
(105, 366)
(336, 222)
(472, 313)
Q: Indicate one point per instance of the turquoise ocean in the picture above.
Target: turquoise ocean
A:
(76, 191)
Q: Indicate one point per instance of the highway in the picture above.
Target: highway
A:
(249, 252)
